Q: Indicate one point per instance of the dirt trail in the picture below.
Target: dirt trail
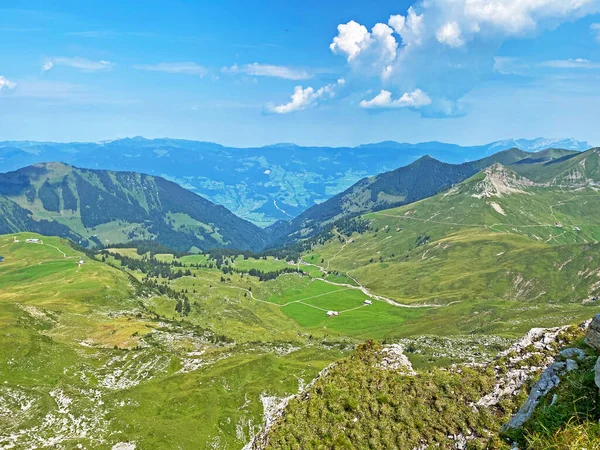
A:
(369, 294)
(63, 253)
(358, 285)
(300, 301)
(346, 242)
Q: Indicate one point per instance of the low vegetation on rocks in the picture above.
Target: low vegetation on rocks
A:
(362, 403)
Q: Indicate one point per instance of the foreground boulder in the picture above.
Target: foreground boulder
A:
(592, 337)
(597, 373)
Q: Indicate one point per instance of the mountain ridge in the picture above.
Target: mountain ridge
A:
(113, 207)
(423, 178)
(260, 184)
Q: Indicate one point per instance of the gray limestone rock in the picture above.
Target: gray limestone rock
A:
(592, 337)
(549, 379)
(576, 353)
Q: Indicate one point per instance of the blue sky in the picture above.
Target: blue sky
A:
(248, 73)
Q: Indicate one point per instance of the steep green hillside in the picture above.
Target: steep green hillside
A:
(421, 179)
(111, 207)
(574, 170)
(492, 244)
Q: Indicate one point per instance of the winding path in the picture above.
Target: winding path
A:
(358, 285)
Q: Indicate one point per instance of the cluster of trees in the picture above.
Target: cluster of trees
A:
(49, 197)
(152, 247)
(69, 199)
(346, 226)
(150, 266)
(106, 205)
(182, 306)
(261, 275)
(422, 240)
(219, 257)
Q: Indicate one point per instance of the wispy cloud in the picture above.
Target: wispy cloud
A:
(5, 83)
(83, 64)
(269, 70)
(519, 66)
(108, 34)
(187, 68)
(56, 92)
(595, 29)
(577, 63)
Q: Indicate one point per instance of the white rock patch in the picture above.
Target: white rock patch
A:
(124, 446)
(497, 208)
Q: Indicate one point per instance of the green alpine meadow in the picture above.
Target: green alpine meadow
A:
(300, 225)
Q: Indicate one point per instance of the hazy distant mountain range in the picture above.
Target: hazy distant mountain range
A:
(262, 185)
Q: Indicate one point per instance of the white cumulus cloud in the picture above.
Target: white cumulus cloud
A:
(383, 100)
(5, 83)
(303, 98)
(419, 48)
(82, 64)
(451, 35)
(516, 17)
(375, 49)
(352, 38)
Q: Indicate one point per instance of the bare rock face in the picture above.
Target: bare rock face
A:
(597, 373)
(393, 358)
(592, 337)
(549, 379)
(511, 382)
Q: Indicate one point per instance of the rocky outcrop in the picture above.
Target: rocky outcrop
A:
(552, 375)
(592, 337)
(500, 181)
(259, 441)
(537, 342)
(574, 353)
(393, 358)
(550, 378)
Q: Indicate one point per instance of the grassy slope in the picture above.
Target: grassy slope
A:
(486, 258)
(128, 372)
(359, 404)
(507, 272)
